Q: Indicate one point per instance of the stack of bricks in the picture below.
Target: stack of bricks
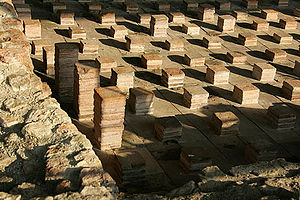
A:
(57, 6)
(225, 123)
(86, 79)
(151, 61)
(282, 2)
(236, 57)
(262, 150)
(226, 23)
(246, 93)
(194, 97)
(94, 7)
(190, 5)
(32, 29)
(282, 37)
(131, 7)
(269, 14)
(206, 12)
(191, 29)
(163, 6)
(282, 117)
(172, 77)
(118, 31)
(223, 4)
(260, 25)
(144, 18)
(77, 33)
(250, 4)
(194, 159)
(49, 59)
(109, 113)
(177, 17)
(23, 10)
(135, 43)
(288, 23)
(141, 100)
(291, 89)
(194, 60)
(240, 15)
(276, 54)
(66, 17)
(122, 77)
(129, 167)
(106, 17)
(174, 44)
(297, 12)
(217, 74)
(167, 128)
(105, 64)
(37, 46)
(89, 46)
(212, 42)
(159, 25)
(296, 69)
(66, 55)
(247, 39)
(263, 72)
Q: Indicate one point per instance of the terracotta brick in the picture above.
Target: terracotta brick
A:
(247, 39)
(144, 18)
(190, 5)
(246, 93)
(296, 69)
(32, 29)
(49, 59)
(240, 15)
(131, 7)
(195, 97)
(66, 17)
(106, 17)
(236, 57)
(217, 74)
(37, 46)
(57, 6)
(191, 29)
(172, 77)
(226, 23)
(276, 54)
(223, 4)
(260, 25)
(288, 23)
(118, 31)
(263, 72)
(269, 14)
(89, 46)
(282, 37)
(291, 89)
(177, 17)
(134, 43)
(151, 61)
(225, 123)
(106, 63)
(206, 12)
(162, 6)
(212, 42)
(250, 4)
(77, 33)
(194, 60)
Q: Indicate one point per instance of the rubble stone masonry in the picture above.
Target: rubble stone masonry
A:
(42, 154)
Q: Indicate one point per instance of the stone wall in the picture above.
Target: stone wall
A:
(44, 156)
(41, 152)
